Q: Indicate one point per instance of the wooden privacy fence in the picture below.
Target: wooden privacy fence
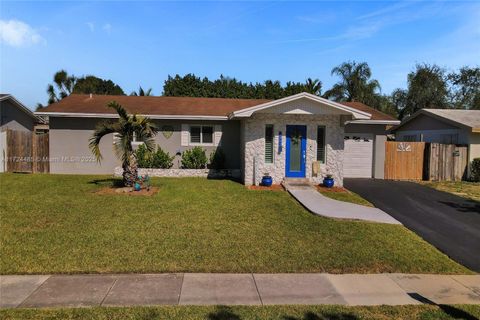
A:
(404, 160)
(27, 152)
(427, 161)
(446, 162)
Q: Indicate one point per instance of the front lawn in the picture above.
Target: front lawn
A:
(57, 224)
(420, 312)
(469, 190)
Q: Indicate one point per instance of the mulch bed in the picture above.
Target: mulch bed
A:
(321, 188)
(273, 187)
(127, 191)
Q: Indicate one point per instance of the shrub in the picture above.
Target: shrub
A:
(476, 169)
(158, 159)
(194, 158)
(144, 157)
(162, 159)
(217, 159)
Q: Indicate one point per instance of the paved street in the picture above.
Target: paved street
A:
(39, 291)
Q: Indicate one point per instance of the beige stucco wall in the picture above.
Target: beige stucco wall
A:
(474, 149)
(254, 136)
(69, 150)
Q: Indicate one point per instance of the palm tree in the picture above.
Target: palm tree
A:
(126, 128)
(313, 86)
(142, 92)
(355, 83)
(63, 83)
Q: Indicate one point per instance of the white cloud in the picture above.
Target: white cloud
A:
(16, 33)
(107, 27)
(91, 26)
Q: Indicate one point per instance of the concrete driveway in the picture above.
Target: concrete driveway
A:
(449, 222)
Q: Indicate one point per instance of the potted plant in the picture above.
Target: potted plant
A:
(328, 181)
(267, 180)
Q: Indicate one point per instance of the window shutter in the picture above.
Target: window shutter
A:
(185, 135)
(269, 143)
(218, 135)
(321, 144)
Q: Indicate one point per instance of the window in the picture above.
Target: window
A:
(201, 134)
(321, 144)
(269, 143)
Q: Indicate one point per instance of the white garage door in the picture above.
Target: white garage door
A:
(358, 158)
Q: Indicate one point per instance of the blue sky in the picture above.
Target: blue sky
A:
(140, 43)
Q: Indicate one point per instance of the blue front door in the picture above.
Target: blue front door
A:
(296, 148)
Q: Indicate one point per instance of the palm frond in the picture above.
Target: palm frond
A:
(101, 130)
(120, 110)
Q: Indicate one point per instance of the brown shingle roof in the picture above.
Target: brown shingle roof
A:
(175, 106)
(82, 103)
(376, 115)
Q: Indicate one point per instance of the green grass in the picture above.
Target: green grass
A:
(57, 224)
(421, 312)
(469, 190)
(347, 197)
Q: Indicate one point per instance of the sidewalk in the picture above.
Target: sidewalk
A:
(320, 205)
(35, 291)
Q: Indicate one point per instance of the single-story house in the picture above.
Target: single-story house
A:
(449, 126)
(300, 136)
(14, 115)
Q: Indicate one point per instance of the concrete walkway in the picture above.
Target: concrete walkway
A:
(317, 203)
(39, 291)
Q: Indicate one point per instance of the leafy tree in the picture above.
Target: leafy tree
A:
(125, 128)
(465, 88)
(142, 92)
(95, 85)
(62, 86)
(292, 88)
(226, 87)
(427, 88)
(355, 83)
(399, 100)
(313, 86)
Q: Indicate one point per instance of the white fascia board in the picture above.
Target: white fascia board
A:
(247, 112)
(392, 122)
(115, 116)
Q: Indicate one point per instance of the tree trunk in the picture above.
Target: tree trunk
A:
(130, 172)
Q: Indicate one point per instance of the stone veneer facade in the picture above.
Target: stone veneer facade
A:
(253, 131)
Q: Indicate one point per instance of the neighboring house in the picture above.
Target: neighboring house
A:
(301, 136)
(448, 126)
(16, 116)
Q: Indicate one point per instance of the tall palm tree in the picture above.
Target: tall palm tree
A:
(355, 83)
(63, 83)
(142, 92)
(126, 128)
(313, 86)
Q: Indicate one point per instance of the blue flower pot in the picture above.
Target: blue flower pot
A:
(137, 186)
(267, 181)
(328, 182)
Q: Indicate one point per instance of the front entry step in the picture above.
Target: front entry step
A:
(296, 183)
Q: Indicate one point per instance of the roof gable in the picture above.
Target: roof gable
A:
(469, 119)
(19, 105)
(312, 99)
